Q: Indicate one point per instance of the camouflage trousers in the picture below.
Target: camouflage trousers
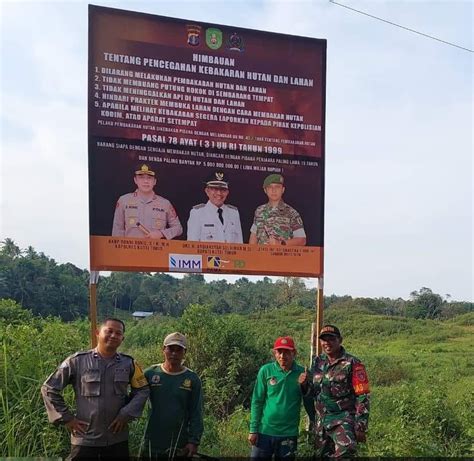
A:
(335, 438)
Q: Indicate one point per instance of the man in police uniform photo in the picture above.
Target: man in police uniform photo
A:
(215, 221)
(275, 222)
(143, 213)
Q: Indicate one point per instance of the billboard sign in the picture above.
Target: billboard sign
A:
(206, 147)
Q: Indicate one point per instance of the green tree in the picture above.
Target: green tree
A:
(10, 248)
(12, 313)
(424, 304)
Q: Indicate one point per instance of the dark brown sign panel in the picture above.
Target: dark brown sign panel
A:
(206, 147)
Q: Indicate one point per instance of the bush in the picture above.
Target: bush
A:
(12, 313)
(387, 371)
(223, 353)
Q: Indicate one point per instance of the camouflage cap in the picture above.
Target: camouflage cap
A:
(273, 179)
(143, 168)
(329, 330)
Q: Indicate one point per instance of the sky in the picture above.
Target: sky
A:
(399, 133)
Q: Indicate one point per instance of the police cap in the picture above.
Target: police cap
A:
(143, 168)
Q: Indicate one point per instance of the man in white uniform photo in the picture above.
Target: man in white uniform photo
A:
(215, 221)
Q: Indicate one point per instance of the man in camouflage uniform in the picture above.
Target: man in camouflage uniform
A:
(340, 388)
(143, 213)
(276, 223)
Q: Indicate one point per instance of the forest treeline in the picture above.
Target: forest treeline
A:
(47, 288)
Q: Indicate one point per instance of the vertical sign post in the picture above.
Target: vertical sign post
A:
(93, 281)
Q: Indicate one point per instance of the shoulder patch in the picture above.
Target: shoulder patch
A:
(65, 362)
(138, 379)
(197, 207)
(360, 381)
(161, 199)
(123, 198)
(81, 353)
(125, 355)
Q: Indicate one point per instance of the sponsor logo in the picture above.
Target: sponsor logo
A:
(213, 38)
(215, 262)
(185, 263)
(239, 263)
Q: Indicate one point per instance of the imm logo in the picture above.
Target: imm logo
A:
(185, 263)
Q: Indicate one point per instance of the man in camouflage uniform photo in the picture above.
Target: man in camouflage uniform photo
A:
(340, 387)
(275, 222)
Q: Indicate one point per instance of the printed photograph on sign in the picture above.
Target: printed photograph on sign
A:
(204, 140)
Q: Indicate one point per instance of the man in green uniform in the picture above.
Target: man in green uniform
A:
(175, 423)
(276, 403)
(275, 222)
(340, 388)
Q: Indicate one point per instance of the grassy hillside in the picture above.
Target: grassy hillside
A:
(421, 373)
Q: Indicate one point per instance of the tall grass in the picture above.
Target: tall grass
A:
(421, 374)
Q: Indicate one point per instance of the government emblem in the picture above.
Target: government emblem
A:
(194, 33)
(236, 43)
(213, 38)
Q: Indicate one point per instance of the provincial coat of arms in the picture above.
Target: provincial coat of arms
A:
(213, 38)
